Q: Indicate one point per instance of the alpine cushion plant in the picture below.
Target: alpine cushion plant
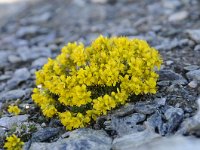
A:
(13, 143)
(83, 83)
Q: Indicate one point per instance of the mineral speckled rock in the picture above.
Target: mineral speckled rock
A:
(81, 139)
(194, 34)
(194, 75)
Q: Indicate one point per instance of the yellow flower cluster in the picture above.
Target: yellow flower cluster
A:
(13, 143)
(14, 110)
(83, 83)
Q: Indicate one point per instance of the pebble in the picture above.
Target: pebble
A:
(36, 52)
(193, 84)
(178, 16)
(12, 95)
(133, 141)
(8, 122)
(14, 59)
(194, 34)
(193, 75)
(44, 134)
(39, 62)
(197, 48)
(19, 76)
(191, 67)
(81, 139)
(27, 31)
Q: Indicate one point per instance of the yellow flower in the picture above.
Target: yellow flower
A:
(14, 109)
(13, 143)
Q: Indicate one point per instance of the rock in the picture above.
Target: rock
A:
(39, 62)
(44, 134)
(36, 52)
(193, 75)
(169, 75)
(191, 67)
(81, 139)
(40, 18)
(193, 84)
(14, 59)
(170, 143)
(5, 77)
(19, 76)
(126, 125)
(171, 4)
(178, 16)
(160, 101)
(27, 31)
(194, 34)
(155, 123)
(174, 117)
(145, 108)
(3, 58)
(197, 48)
(7, 122)
(12, 95)
(133, 141)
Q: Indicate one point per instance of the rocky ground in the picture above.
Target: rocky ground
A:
(168, 120)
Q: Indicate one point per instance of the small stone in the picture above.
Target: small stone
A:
(81, 139)
(193, 75)
(3, 58)
(14, 59)
(19, 76)
(39, 62)
(5, 77)
(169, 75)
(169, 62)
(8, 122)
(126, 125)
(44, 134)
(160, 101)
(197, 48)
(36, 52)
(27, 31)
(179, 16)
(12, 95)
(134, 141)
(191, 67)
(194, 35)
(144, 108)
(193, 84)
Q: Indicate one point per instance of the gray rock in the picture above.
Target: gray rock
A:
(194, 35)
(145, 108)
(191, 67)
(169, 75)
(133, 141)
(27, 54)
(27, 31)
(39, 18)
(193, 75)
(14, 59)
(12, 95)
(44, 134)
(81, 139)
(2, 133)
(126, 125)
(5, 77)
(19, 76)
(174, 117)
(39, 62)
(8, 122)
(178, 16)
(193, 84)
(155, 123)
(170, 143)
(197, 48)
(3, 58)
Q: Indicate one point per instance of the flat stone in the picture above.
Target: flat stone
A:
(191, 67)
(197, 48)
(169, 75)
(3, 58)
(8, 122)
(178, 16)
(133, 141)
(44, 134)
(27, 31)
(193, 84)
(14, 59)
(194, 34)
(127, 124)
(36, 52)
(193, 75)
(39, 62)
(171, 143)
(81, 139)
(19, 76)
(12, 95)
